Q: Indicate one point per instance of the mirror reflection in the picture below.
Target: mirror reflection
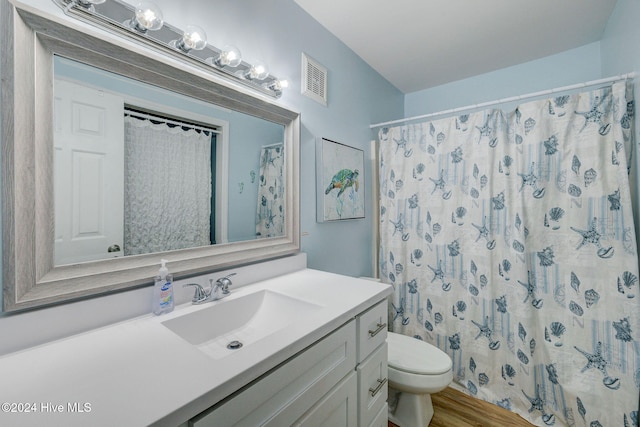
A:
(139, 169)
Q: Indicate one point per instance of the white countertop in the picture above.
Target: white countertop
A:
(138, 372)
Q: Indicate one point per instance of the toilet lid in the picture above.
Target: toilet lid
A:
(416, 356)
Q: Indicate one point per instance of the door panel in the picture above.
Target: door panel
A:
(89, 175)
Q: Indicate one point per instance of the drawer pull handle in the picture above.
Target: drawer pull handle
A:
(380, 326)
(376, 390)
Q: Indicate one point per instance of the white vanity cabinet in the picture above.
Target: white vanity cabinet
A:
(338, 381)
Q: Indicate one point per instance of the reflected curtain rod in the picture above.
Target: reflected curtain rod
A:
(272, 145)
(511, 99)
(140, 115)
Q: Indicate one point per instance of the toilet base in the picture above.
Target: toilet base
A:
(409, 410)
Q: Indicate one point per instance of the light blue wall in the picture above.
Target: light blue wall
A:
(620, 43)
(570, 67)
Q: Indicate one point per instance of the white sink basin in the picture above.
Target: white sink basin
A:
(246, 319)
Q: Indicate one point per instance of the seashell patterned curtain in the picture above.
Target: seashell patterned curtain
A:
(270, 206)
(510, 244)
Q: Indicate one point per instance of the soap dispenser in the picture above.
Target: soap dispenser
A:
(163, 290)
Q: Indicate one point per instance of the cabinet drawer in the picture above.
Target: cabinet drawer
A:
(282, 396)
(372, 385)
(372, 329)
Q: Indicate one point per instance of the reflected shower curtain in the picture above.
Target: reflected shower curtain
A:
(167, 187)
(510, 244)
(270, 211)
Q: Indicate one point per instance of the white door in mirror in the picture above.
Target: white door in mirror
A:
(89, 183)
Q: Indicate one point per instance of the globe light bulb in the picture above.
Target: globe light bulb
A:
(258, 71)
(148, 16)
(278, 85)
(229, 56)
(194, 38)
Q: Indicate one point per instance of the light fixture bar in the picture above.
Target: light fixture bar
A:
(115, 16)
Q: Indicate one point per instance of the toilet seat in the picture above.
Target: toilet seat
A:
(415, 356)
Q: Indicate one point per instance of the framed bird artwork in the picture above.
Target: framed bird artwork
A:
(340, 181)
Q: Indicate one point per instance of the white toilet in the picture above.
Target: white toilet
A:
(416, 369)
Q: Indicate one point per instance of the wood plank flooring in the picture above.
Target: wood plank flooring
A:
(453, 408)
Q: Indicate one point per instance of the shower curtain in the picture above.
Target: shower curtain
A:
(167, 187)
(509, 241)
(270, 211)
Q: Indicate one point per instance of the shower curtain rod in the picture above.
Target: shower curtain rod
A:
(272, 145)
(139, 115)
(511, 99)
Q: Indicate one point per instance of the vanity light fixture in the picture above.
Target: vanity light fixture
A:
(194, 37)
(147, 16)
(147, 27)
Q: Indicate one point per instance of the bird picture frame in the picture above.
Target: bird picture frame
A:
(340, 181)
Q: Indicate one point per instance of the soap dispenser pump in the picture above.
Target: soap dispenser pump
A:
(163, 290)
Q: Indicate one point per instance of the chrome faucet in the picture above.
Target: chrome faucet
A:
(221, 287)
(216, 291)
(200, 295)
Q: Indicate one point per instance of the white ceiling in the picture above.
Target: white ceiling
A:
(418, 44)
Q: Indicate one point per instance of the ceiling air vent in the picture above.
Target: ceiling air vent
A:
(314, 80)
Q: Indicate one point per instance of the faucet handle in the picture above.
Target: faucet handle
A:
(225, 282)
(200, 295)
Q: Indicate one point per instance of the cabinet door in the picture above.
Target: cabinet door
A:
(284, 395)
(382, 419)
(372, 385)
(338, 408)
(372, 329)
